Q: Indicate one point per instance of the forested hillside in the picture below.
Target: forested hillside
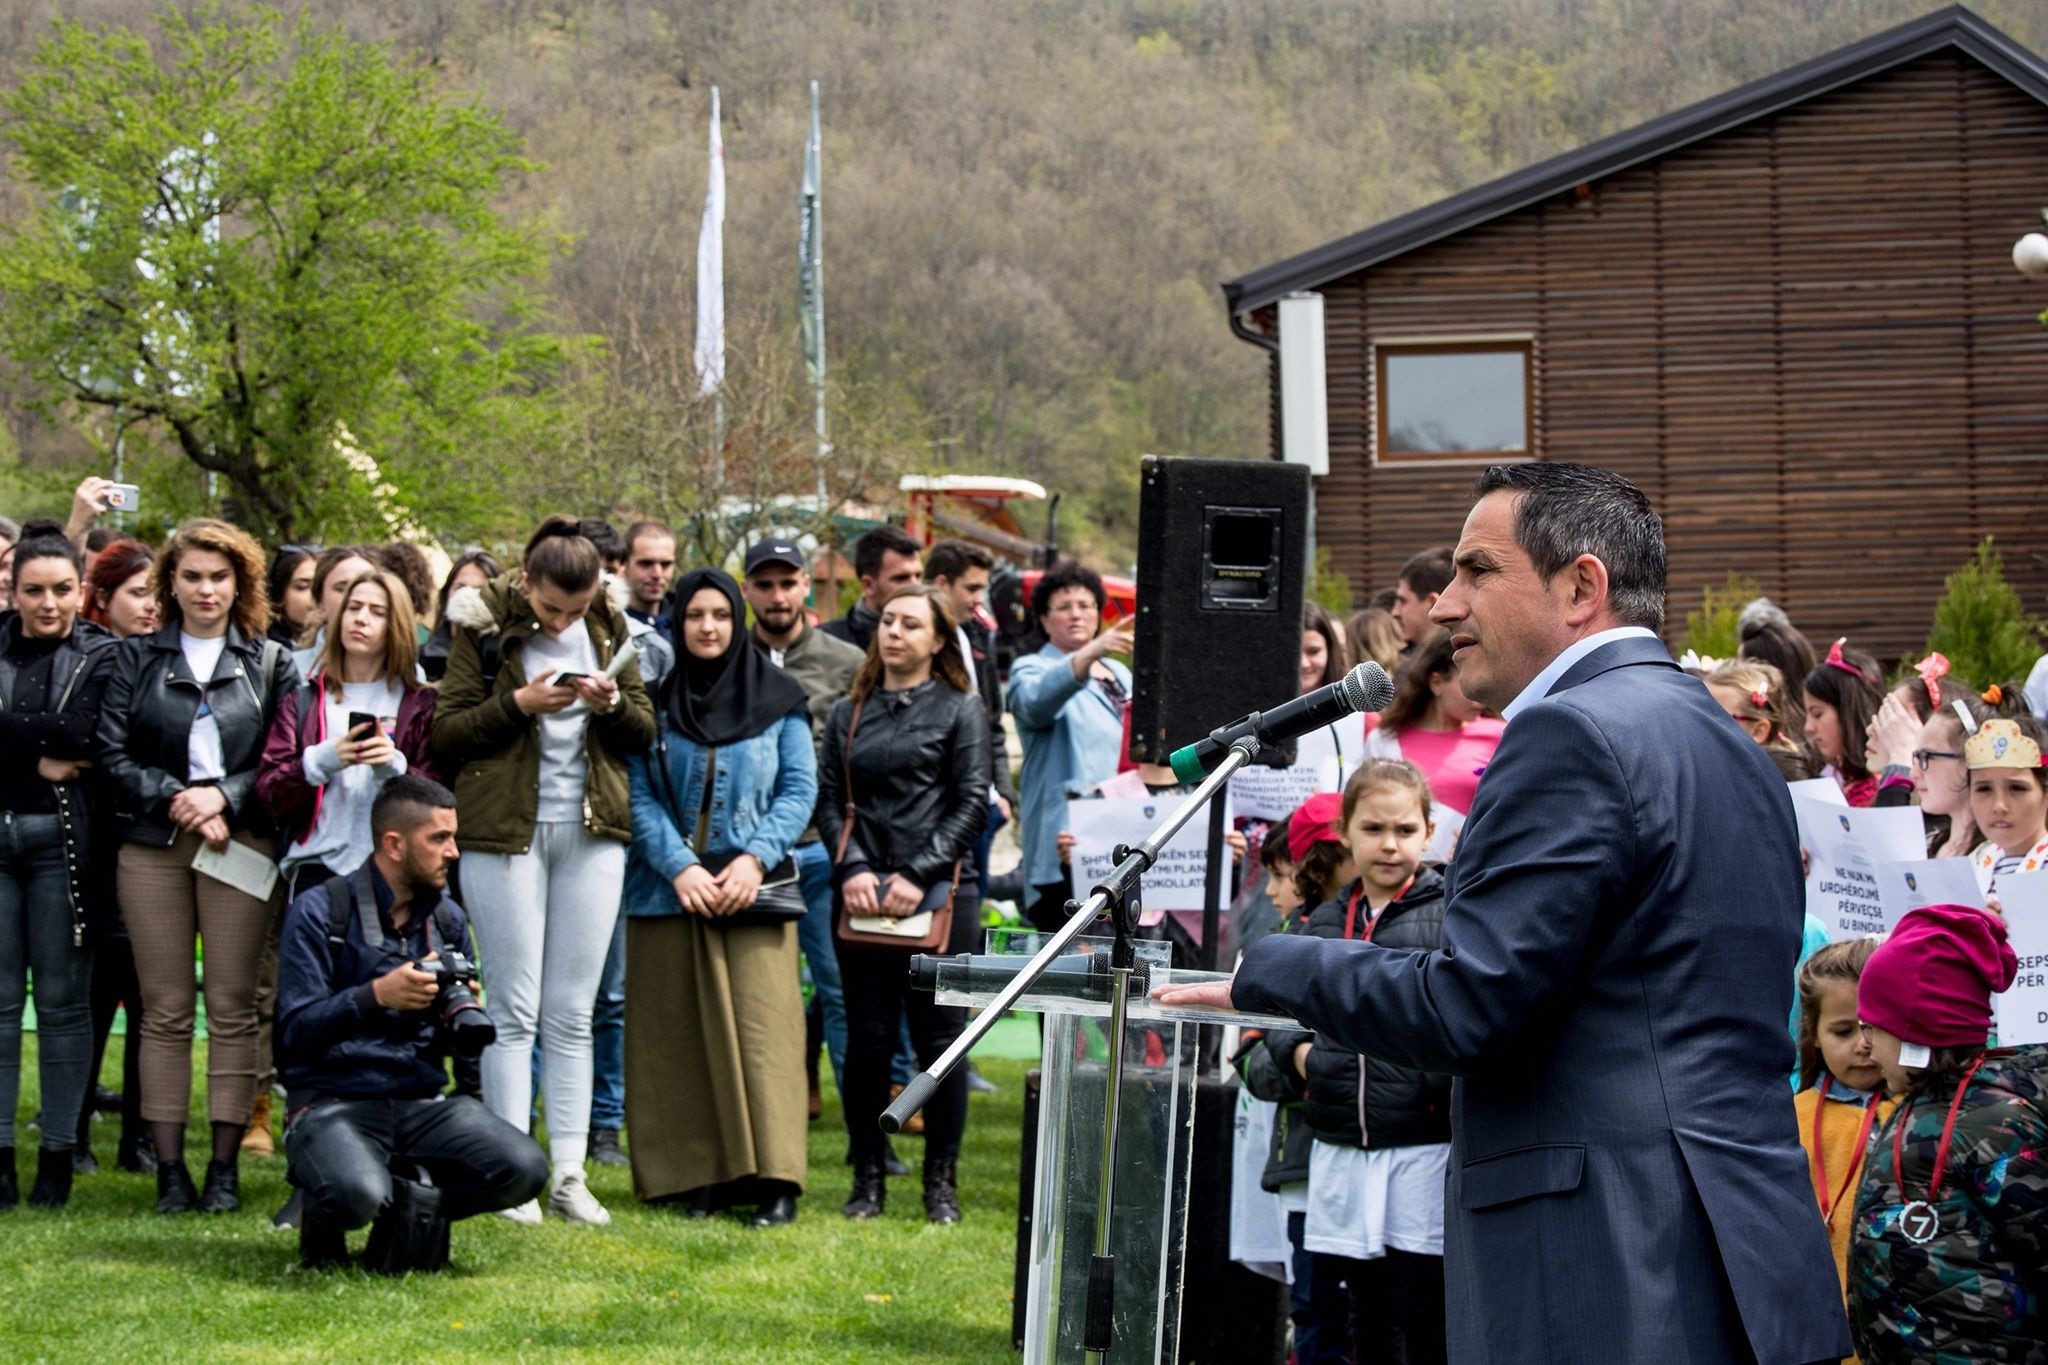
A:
(1028, 204)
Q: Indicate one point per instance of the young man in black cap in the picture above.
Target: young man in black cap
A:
(777, 588)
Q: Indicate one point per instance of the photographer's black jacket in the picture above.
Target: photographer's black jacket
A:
(333, 1039)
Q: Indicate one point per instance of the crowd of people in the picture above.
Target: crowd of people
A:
(425, 825)
(409, 834)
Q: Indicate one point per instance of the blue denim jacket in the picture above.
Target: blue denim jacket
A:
(761, 801)
(1073, 737)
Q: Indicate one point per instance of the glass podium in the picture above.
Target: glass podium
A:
(1148, 1170)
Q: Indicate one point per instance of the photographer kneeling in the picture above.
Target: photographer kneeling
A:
(374, 989)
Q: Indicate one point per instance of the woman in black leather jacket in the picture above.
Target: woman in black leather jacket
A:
(53, 670)
(917, 781)
(180, 740)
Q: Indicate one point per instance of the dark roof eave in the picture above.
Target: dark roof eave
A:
(1952, 27)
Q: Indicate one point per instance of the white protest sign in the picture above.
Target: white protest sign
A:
(2022, 1012)
(1176, 882)
(1843, 847)
(1925, 881)
(1322, 760)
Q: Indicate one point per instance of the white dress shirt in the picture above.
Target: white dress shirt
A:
(1578, 649)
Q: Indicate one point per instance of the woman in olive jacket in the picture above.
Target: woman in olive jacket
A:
(903, 807)
(538, 738)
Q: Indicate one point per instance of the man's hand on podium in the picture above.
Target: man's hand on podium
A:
(1212, 994)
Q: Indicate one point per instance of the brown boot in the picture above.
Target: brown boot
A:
(914, 1125)
(257, 1141)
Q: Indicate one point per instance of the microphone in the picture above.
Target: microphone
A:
(1365, 688)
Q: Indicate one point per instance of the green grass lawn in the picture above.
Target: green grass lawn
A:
(107, 1279)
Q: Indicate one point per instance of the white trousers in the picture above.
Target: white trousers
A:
(544, 921)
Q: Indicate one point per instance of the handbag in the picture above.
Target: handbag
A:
(781, 897)
(929, 928)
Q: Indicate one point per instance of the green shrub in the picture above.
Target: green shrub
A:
(1981, 624)
(1710, 630)
(1330, 587)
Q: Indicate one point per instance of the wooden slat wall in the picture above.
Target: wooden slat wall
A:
(1804, 339)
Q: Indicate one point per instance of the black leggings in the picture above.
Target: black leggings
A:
(878, 995)
(114, 986)
(1397, 1308)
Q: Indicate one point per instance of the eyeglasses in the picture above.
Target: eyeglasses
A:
(1922, 758)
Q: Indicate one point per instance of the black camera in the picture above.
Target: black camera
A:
(468, 1028)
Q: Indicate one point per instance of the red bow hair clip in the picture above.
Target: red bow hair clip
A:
(1932, 670)
(1835, 659)
(1760, 699)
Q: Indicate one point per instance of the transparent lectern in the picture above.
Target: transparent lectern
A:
(1151, 1113)
(1117, 1098)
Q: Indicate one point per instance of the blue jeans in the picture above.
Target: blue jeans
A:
(35, 936)
(814, 937)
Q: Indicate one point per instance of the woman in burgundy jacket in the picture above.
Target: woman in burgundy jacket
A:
(360, 720)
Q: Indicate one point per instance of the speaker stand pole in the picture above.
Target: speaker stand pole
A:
(1212, 888)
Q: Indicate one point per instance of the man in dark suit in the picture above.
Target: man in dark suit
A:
(1626, 1182)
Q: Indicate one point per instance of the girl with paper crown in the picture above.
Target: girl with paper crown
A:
(2008, 798)
(1951, 1226)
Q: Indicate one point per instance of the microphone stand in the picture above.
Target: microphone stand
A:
(1118, 897)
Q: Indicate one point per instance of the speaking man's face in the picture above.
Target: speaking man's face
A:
(1506, 622)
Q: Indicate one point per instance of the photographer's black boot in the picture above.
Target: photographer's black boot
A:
(223, 1192)
(135, 1153)
(53, 1180)
(322, 1243)
(10, 1184)
(175, 1192)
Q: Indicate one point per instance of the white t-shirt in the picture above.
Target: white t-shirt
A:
(204, 761)
(340, 836)
(1363, 1203)
(563, 766)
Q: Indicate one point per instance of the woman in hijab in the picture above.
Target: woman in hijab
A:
(716, 1099)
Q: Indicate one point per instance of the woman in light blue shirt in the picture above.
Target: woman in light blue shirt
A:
(1068, 701)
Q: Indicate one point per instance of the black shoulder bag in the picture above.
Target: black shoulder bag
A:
(781, 897)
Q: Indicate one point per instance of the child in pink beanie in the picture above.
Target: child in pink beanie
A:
(1949, 1256)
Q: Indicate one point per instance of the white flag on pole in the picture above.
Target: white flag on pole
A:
(710, 353)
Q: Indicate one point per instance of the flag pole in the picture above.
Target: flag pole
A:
(811, 270)
(710, 350)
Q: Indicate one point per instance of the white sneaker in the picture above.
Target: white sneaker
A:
(575, 1203)
(526, 1215)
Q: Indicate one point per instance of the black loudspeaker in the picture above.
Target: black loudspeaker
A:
(1228, 1315)
(1222, 559)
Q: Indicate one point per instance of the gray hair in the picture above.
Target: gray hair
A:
(1568, 510)
(1759, 613)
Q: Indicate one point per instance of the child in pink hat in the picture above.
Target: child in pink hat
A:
(1949, 1256)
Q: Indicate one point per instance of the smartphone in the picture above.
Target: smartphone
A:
(358, 719)
(568, 679)
(123, 497)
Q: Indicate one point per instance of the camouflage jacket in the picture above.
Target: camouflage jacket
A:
(1974, 1289)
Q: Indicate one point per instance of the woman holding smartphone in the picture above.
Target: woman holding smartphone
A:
(180, 741)
(538, 732)
(902, 796)
(362, 719)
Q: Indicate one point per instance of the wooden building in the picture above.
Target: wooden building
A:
(1789, 313)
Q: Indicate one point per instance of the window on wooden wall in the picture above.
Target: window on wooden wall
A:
(1459, 399)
